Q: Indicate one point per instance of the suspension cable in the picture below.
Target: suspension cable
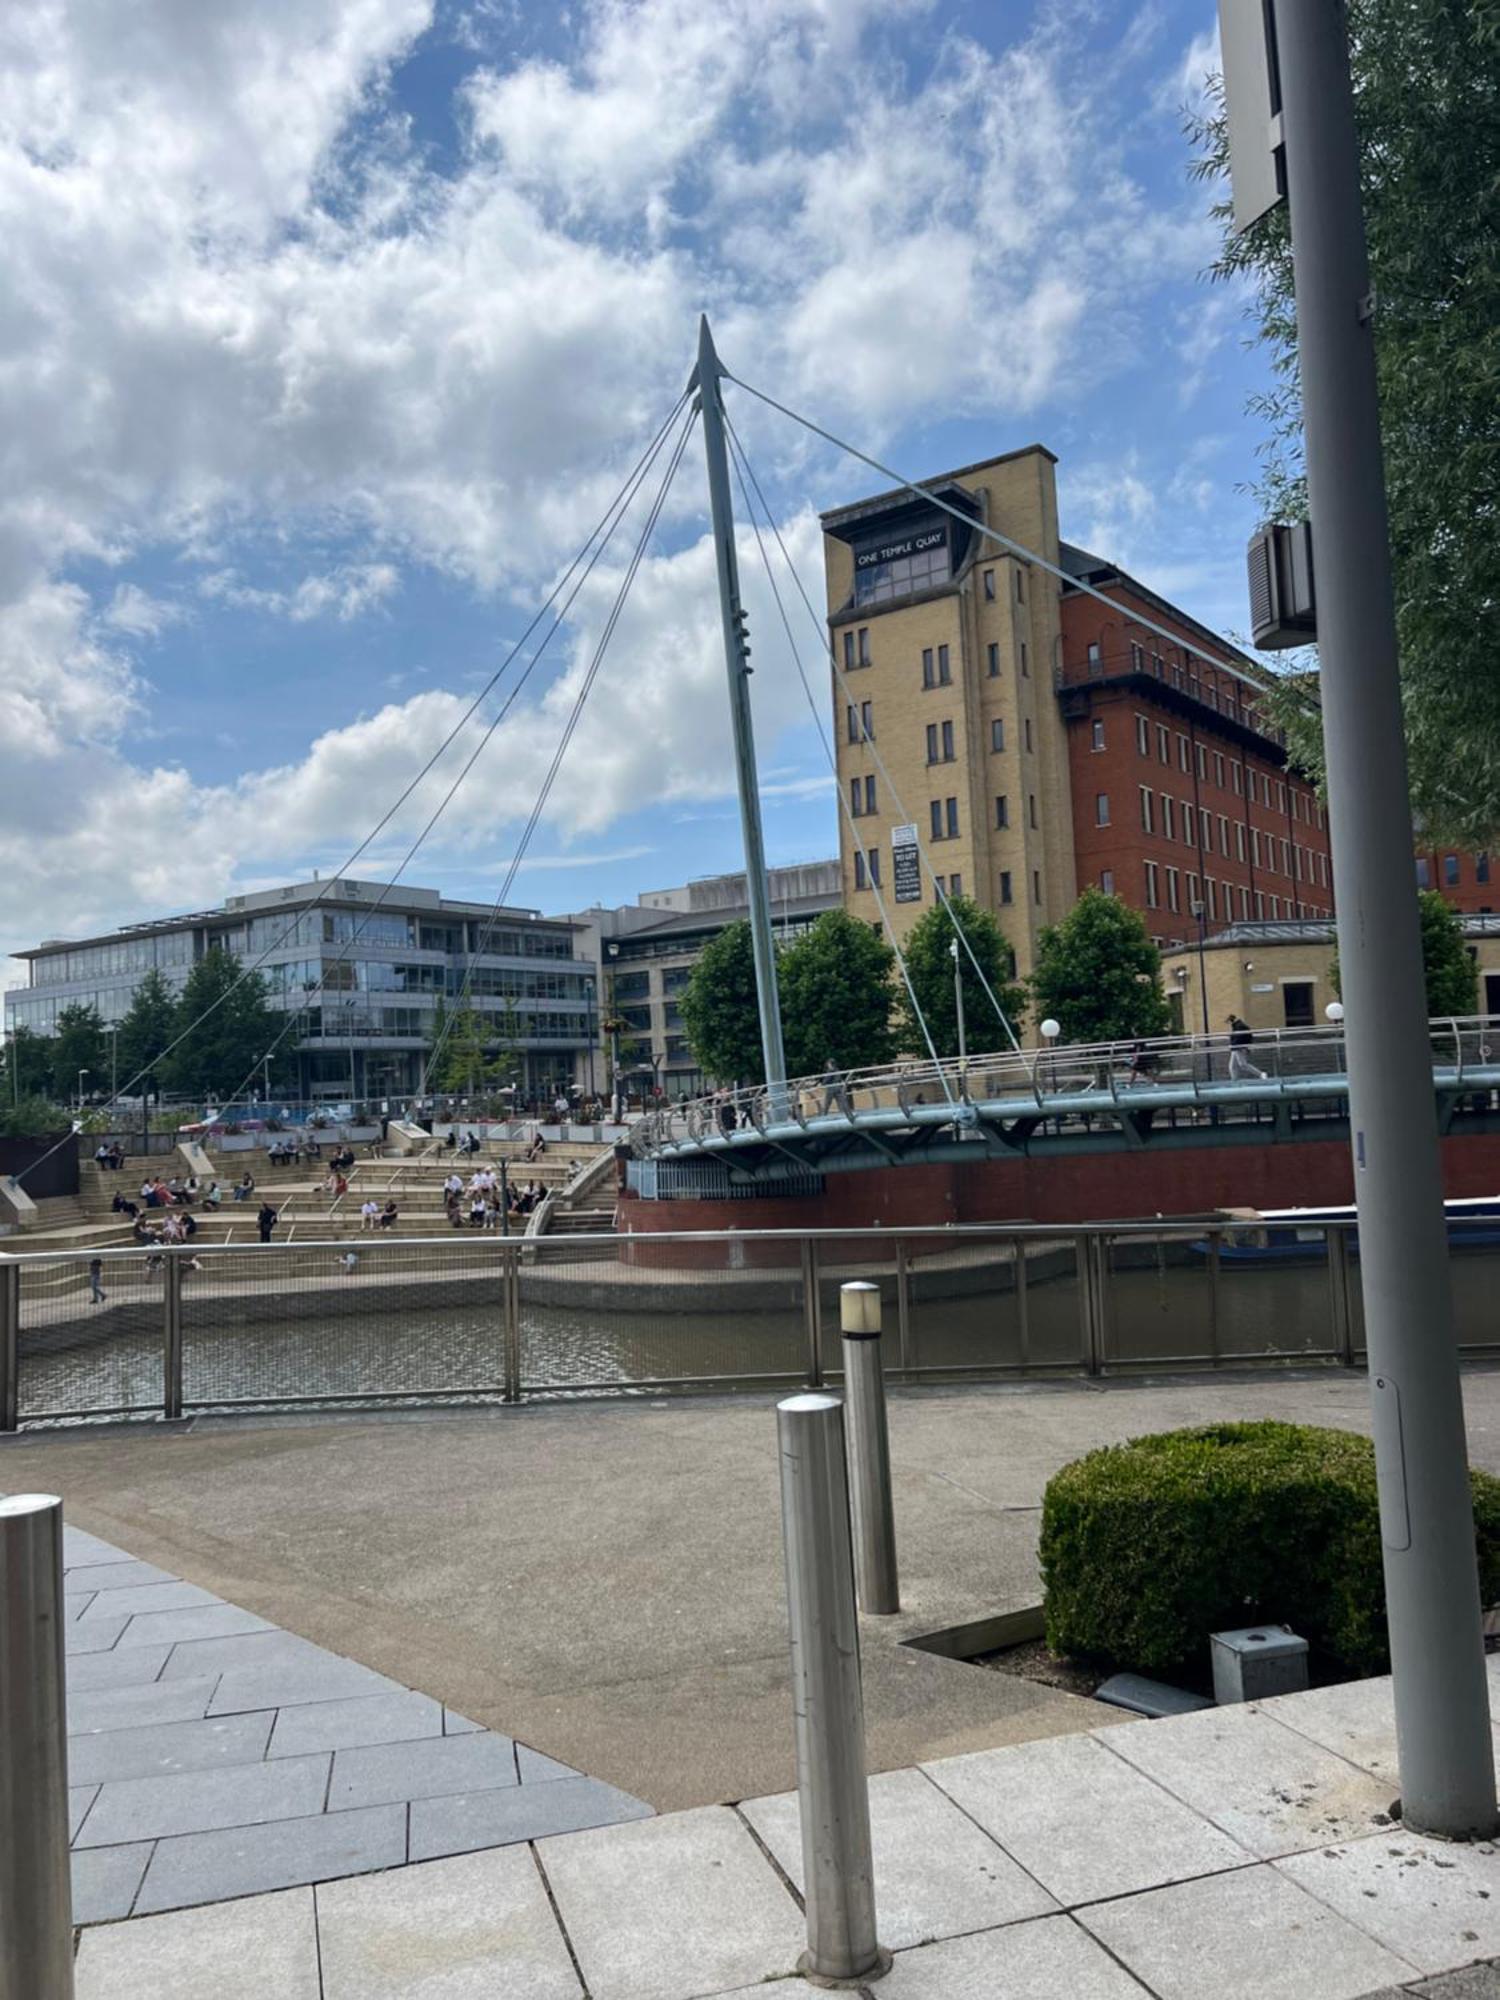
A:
(821, 627)
(539, 804)
(741, 466)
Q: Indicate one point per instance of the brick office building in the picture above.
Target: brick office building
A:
(1039, 741)
(1183, 804)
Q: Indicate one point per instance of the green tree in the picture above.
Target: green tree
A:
(835, 983)
(79, 1044)
(1427, 86)
(33, 1118)
(929, 966)
(719, 1009)
(226, 1029)
(1452, 976)
(146, 1027)
(470, 1059)
(27, 1073)
(1098, 975)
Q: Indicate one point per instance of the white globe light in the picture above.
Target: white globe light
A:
(1051, 1029)
(1334, 1010)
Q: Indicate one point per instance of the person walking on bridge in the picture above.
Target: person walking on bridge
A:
(1240, 1066)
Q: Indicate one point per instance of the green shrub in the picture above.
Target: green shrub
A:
(1149, 1546)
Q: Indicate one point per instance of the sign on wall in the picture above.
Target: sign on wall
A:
(906, 864)
(910, 545)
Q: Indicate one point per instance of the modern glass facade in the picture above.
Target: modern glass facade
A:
(364, 967)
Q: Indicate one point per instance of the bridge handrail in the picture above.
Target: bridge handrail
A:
(1045, 1073)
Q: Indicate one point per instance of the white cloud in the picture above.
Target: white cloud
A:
(137, 614)
(343, 593)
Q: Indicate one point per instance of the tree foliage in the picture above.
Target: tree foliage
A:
(79, 1044)
(226, 1029)
(1452, 976)
(835, 983)
(719, 1009)
(475, 1054)
(27, 1066)
(1098, 975)
(1427, 84)
(929, 966)
(146, 1029)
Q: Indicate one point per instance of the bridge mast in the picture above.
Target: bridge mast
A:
(736, 659)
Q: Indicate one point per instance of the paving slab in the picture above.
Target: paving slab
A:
(142, 1705)
(1477, 1982)
(80, 1549)
(1049, 1958)
(535, 1769)
(341, 1725)
(247, 1860)
(458, 1725)
(671, 1908)
(214, 1620)
(1251, 1935)
(423, 1770)
(168, 1747)
(80, 1798)
(1434, 1903)
(1356, 1719)
(238, 1651)
(467, 1820)
(105, 1881)
(479, 1927)
(93, 1635)
(266, 1945)
(936, 1874)
(123, 1573)
(282, 1683)
(110, 1601)
(199, 1801)
(1037, 1798)
(1267, 1787)
(115, 1670)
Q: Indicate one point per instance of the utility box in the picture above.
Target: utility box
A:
(1283, 607)
(1260, 1661)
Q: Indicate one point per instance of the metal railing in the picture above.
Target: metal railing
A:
(365, 1321)
(1176, 1070)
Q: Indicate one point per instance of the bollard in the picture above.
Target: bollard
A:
(869, 1446)
(36, 1898)
(827, 1702)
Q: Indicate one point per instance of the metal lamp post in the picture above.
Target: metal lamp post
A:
(81, 1075)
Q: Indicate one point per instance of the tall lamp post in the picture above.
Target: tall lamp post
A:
(81, 1075)
(958, 1008)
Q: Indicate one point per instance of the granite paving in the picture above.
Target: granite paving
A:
(214, 1756)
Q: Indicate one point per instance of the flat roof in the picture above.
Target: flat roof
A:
(853, 508)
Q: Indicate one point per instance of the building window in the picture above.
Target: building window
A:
(940, 884)
(1276, 909)
(989, 585)
(997, 733)
(1244, 903)
(1163, 743)
(1020, 586)
(867, 720)
(1206, 828)
(1002, 809)
(1189, 835)
(935, 817)
(1255, 846)
(951, 808)
(856, 796)
(1006, 895)
(1202, 764)
(870, 793)
(874, 867)
(1481, 868)
(929, 670)
(1107, 881)
(861, 880)
(932, 742)
(1213, 899)
(1098, 735)
(1026, 728)
(992, 659)
(1025, 662)
(1260, 906)
(1223, 835)
(955, 885)
(1148, 809)
(1168, 826)
(1237, 772)
(943, 674)
(1239, 837)
(864, 645)
(1280, 796)
(1101, 808)
(1286, 859)
(848, 649)
(1143, 736)
(851, 722)
(947, 742)
(1137, 659)
(1219, 769)
(1152, 891)
(1450, 871)
(1036, 885)
(1031, 808)
(1182, 752)
(1174, 889)
(1093, 652)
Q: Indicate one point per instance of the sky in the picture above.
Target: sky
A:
(331, 328)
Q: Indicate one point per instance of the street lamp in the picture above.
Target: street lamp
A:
(1200, 911)
(1334, 1011)
(958, 1005)
(114, 1060)
(266, 1060)
(1049, 1031)
(81, 1075)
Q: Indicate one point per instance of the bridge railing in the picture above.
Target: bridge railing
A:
(456, 1320)
(1191, 1067)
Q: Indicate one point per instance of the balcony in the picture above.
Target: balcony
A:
(1187, 691)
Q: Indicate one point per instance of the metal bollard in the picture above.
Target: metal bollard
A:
(36, 1897)
(870, 1502)
(827, 1700)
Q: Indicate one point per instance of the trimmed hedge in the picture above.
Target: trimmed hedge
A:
(1149, 1546)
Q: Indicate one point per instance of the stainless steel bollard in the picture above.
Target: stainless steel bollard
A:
(873, 1513)
(36, 1897)
(827, 1700)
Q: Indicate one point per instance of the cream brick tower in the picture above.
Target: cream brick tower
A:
(948, 646)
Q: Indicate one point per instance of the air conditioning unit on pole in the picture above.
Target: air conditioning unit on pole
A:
(1283, 609)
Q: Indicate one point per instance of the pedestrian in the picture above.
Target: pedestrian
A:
(349, 1263)
(388, 1214)
(96, 1280)
(1240, 1066)
(369, 1213)
(266, 1221)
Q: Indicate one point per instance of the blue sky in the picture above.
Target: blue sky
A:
(336, 323)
